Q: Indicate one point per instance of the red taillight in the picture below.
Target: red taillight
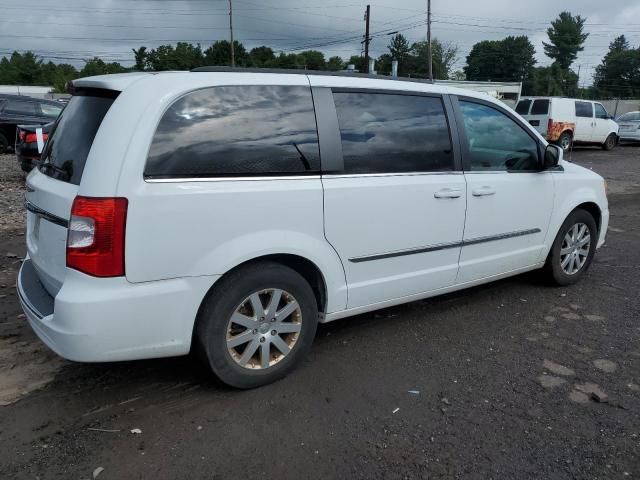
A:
(95, 240)
(32, 138)
(549, 126)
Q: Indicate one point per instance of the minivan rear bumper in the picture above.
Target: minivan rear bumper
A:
(110, 319)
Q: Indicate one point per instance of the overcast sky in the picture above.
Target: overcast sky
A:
(74, 29)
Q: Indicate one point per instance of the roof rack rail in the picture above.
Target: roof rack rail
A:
(309, 72)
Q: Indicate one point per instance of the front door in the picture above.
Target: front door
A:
(584, 122)
(509, 202)
(395, 213)
(602, 127)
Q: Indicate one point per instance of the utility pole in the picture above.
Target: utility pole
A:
(429, 53)
(366, 38)
(233, 57)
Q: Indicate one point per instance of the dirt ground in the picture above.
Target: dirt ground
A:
(493, 382)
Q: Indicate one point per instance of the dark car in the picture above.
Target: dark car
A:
(20, 110)
(27, 149)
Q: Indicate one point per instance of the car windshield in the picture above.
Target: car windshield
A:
(630, 117)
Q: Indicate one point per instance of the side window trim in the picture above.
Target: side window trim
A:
(464, 143)
(333, 115)
(331, 159)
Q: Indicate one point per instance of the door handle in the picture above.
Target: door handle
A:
(483, 191)
(448, 193)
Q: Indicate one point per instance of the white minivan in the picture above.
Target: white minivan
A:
(228, 212)
(565, 121)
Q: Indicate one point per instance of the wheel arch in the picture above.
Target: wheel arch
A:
(594, 211)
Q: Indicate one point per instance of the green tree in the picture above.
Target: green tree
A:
(551, 81)
(358, 62)
(619, 73)
(312, 60)
(290, 60)
(97, 66)
(220, 54)
(141, 58)
(335, 63)
(511, 59)
(566, 39)
(444, 56)
(261, 57)
(400, 50)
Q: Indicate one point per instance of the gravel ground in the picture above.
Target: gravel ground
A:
(11, 194)
(498, 381)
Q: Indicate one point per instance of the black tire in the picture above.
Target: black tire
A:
(565, 141)
(611, 142)
(4, 144)
(221, 303)
(553, 266)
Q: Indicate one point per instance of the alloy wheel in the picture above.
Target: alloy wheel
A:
(264, 329)
(575, 248)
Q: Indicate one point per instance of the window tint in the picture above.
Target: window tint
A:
(66, 151)
(51, 111)
(495, 141)
(523, 107)
(600, 111)
(584, 109)
(385, 133)
(17, 107)
(540, 107)
(239, 130)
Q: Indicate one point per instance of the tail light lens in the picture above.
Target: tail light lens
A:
(95, 240)
(32, 138)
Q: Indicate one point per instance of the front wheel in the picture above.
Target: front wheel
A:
(573, 248)
(610, 142)
(256, 324)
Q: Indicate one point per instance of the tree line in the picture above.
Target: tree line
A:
(510, 59)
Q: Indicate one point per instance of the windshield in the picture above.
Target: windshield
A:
(72, 135)
(630, 117)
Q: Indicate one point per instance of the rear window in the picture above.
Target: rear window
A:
(19, 107)
(51, 111)
(237, 131)
(540, 107)
(523, 107)
(72, 135)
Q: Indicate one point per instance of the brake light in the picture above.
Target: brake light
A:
(32, 138)
(549, 126)
(95, 239)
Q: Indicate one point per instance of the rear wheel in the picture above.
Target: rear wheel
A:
(565, 141)
(573, 249)
(4, 143)
(256, 324)
(610, 142)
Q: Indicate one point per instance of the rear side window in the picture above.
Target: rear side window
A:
(72, 135)
(523, 107)
(387, 133)
(237, 131)
(17, 107)
(540, 107)
(584, 109)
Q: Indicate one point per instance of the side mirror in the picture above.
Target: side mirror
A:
(552, 156)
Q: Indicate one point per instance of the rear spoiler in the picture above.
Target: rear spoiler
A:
(90, 92)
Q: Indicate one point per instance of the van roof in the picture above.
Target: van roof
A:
(121, 81)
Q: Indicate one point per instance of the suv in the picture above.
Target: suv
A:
(565, 121)
(18, 110)
(239, 209)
